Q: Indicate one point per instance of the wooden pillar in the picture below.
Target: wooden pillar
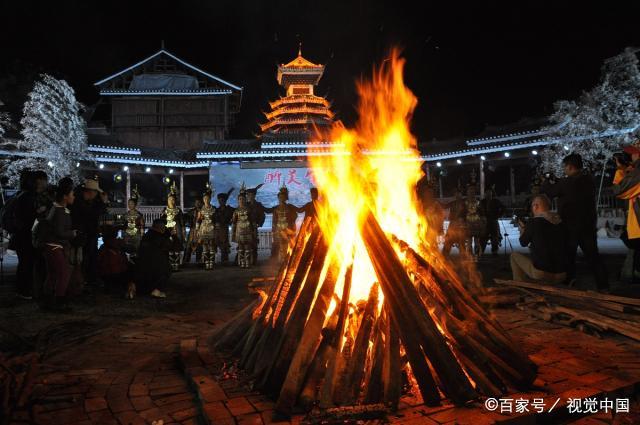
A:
(440, 186)
(128, 187)
(482, 182)
(182, 190)
(512, 178)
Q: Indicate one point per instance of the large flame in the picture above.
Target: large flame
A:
(375, 166)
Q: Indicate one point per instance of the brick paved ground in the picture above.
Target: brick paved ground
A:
(120, 362)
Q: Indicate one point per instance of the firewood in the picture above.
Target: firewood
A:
(391, 364)
(334, 352)
(309, 342)
(410, 314)
(295, 324)
(318, 367)
(567, 292)
(268, 350)
(355, 367)
(374, 390)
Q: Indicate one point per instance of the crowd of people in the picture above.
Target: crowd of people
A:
(55, 231)
(553, 238)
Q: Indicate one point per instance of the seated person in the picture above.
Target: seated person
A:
(114, 269)
(152, 264)
(546, 236)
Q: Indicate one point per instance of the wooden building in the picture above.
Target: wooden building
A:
(165, 102)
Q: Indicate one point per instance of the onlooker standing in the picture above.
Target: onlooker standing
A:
(57, 244)
(456, 232)
(23, 213)
(545, 234)
(493, 210)
(152, 264)
(626, 185)
(577, 207)
(86, 211)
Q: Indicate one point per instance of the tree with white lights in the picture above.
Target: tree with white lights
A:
(53, 132)
(601, 121)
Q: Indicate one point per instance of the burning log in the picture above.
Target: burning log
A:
(309, 343)
(411, 316)
(330, 377)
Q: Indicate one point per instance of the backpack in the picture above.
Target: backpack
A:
(8, 215)
(42, 230)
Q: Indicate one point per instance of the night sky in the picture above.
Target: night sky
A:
(469, 65)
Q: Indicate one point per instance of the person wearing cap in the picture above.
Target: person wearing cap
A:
(257, 217)
(576, 195)
(91, 203)
(221, 222)
(626, 185)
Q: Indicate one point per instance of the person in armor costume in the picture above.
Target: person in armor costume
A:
(192, 238)
(476, 222)
(242, 231)
(433, 212)
(134, 227)
(309, 209)
(221, 221)
(258, 216)
(175, 226)
(493, 210)
(283, 224)
(456, 232)
(206, 230)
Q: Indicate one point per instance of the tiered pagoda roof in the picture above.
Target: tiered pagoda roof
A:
(300, 110)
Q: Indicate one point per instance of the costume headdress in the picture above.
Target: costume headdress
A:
(243, 191)
(173, 190)
(135, 194)
(207, 190)
(284, 191)
(254, 190)
(225, 196)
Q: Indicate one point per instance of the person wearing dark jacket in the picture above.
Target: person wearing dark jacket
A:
(577, 208)
(152, 264)
(493, 210)
(25, 215)
(57, 244)
(91, 203)
(545, 235)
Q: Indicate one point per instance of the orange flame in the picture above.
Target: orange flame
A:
(375, 166)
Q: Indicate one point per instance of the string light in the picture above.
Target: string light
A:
(50, 164)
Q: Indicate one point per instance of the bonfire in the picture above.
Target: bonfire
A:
(364, 306)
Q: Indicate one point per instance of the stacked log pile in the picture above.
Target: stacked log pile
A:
(306, 344)
(591, 312)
